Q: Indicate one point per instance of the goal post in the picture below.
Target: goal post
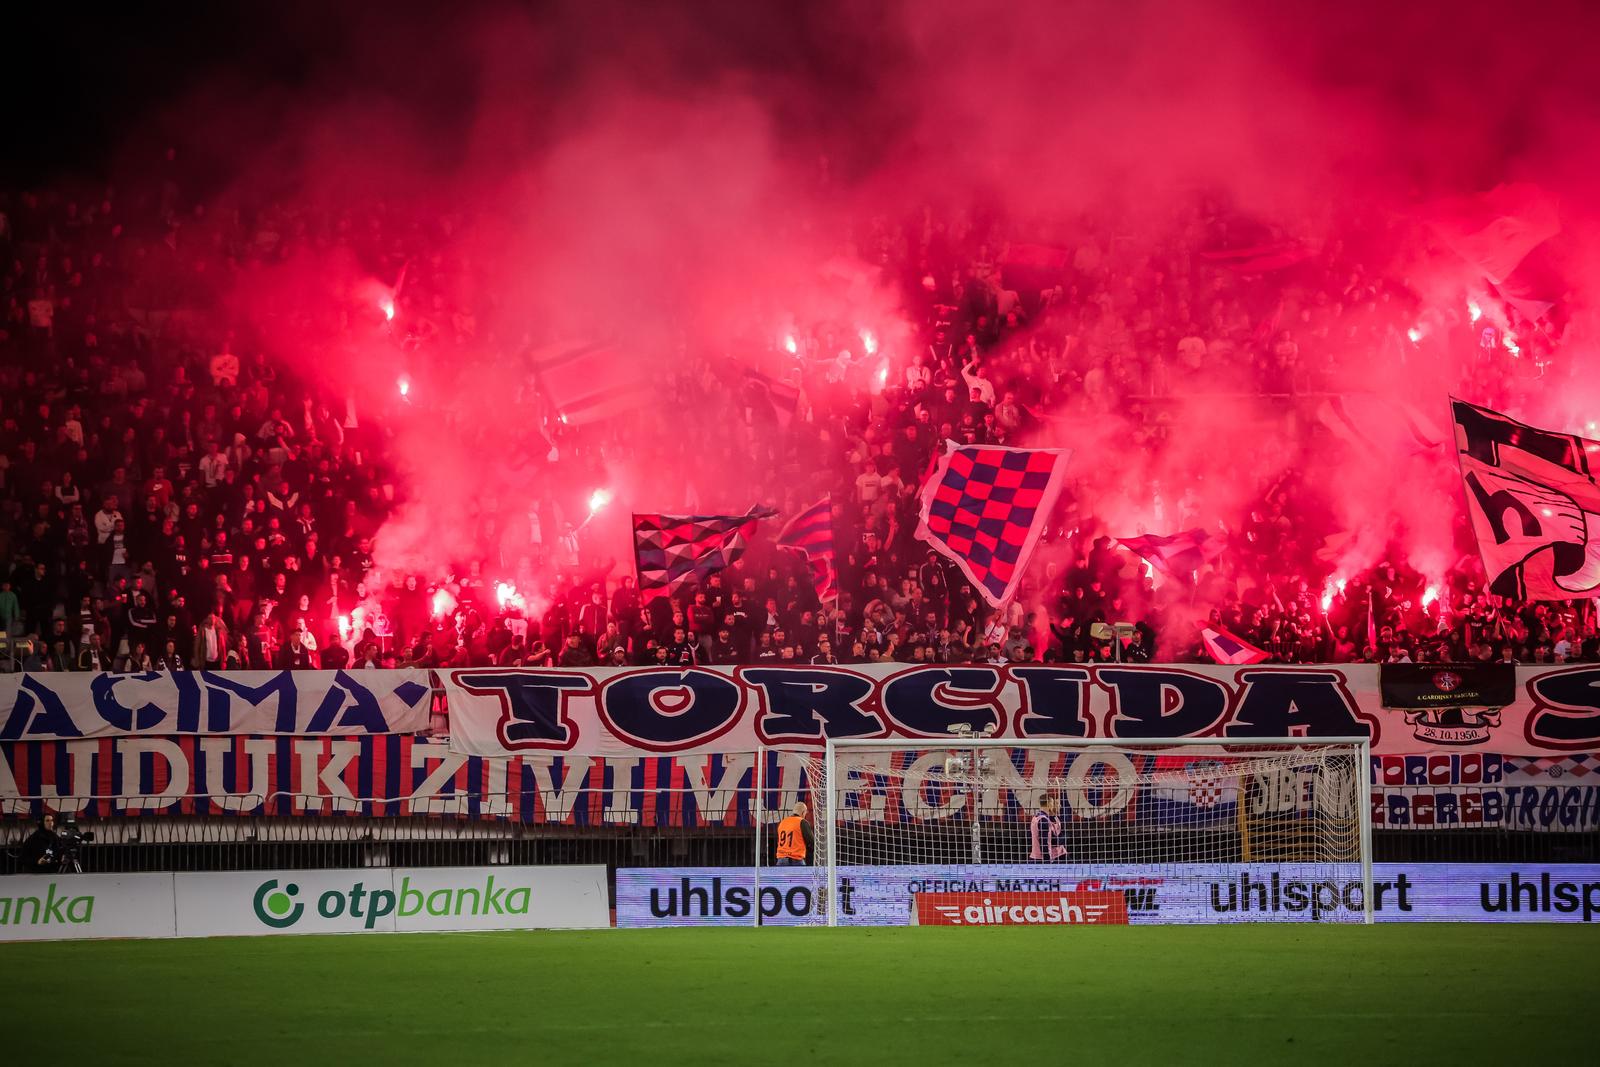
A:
(1200, 829)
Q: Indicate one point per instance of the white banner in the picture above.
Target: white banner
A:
(389, 900)
(669, 710)
(74, 906)
(46, 707)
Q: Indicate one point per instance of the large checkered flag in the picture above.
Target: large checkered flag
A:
(671, 551)
(984, 507)
(1534, 502)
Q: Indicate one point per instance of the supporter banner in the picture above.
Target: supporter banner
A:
(1182, 894)
(388, 775)
(76, 906)
(391, 900)
(1530, 807)
(37, 707)
(1421, 685)
(400, 775)
(607, 711)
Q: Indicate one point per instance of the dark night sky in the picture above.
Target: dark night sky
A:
(93, 90)
(97, 95)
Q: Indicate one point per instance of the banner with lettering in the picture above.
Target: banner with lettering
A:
(398, 775)
(619, 711)
(38, 707)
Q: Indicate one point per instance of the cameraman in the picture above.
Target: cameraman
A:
(38, 854)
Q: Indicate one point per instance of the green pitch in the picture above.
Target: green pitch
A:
(1242, 994)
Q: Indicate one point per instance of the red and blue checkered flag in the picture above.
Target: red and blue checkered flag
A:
(671, 551)
(984, 507)
(811, 533)
(1180, 554)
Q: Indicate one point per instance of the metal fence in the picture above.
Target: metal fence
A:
(239, 842)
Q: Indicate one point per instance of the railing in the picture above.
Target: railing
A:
(227, 842)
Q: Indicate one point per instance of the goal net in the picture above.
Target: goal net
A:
(978, 831)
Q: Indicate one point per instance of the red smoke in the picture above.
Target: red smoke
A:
(677, 183)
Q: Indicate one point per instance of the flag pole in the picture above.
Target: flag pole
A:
(1372, 623)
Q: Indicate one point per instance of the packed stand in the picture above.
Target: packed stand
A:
(174, 497)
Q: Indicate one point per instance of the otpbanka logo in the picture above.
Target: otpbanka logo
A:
(53, 908)
(280, 907)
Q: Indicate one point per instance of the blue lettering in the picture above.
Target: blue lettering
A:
(709, 703)
(1053, 701)
(221, 688)
(363, 711)
(1567, 709)
(1295, 703)
(1157, 703)
(914, 699)
(532, 704)
(52, 719)
(805, 705)
(1416, 770)
(129, 720)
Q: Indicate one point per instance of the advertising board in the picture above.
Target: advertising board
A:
(1193, 894)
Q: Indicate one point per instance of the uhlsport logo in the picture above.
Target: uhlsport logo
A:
(279, 904)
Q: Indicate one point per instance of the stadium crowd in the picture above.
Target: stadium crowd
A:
(177, 496)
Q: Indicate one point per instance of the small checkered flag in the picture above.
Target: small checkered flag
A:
(984, 507)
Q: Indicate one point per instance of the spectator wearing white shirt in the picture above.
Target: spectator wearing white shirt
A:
(981, 387)
(213, 465)
(868, 483)
(106, 519)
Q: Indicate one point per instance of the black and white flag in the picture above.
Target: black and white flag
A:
(1534, 502)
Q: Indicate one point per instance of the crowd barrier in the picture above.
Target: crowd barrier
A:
(400, 900)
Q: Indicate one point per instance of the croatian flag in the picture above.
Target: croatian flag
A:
(1226, 648)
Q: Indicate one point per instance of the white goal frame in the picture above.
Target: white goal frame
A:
(958, 741)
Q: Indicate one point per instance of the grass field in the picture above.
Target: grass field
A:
(1396, 994)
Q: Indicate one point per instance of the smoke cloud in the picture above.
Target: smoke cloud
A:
(675, 182)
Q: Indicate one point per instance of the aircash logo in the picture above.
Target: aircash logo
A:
(52, 909)
(1021, 909)
(279, 905)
